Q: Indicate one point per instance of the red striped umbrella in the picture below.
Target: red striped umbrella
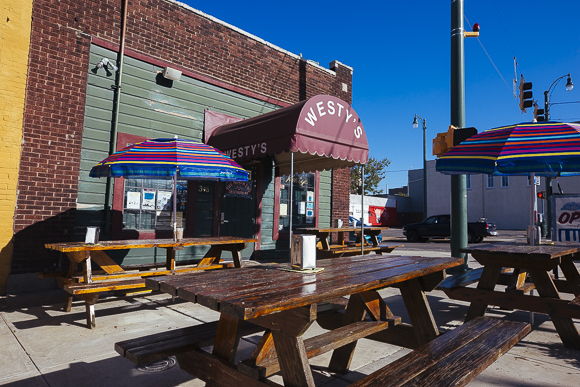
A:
(165, 158)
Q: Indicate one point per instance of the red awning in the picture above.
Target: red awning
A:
(323, 132)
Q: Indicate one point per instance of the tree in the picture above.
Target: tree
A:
(374, 173)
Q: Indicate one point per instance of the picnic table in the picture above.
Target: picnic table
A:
(283, 304)
(530, 269)
(88, 285)
(344, 248)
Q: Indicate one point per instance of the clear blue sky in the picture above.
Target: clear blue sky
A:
(400, 52)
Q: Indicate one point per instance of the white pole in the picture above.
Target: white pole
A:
(290, 201)
(533, 209)
(362, 210)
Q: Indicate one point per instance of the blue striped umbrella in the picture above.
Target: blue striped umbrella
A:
(544, 148)
(165, 158)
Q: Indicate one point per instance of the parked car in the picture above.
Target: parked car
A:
(354, 222)
(438, 226)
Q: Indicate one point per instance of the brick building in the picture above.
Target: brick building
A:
(78, 108)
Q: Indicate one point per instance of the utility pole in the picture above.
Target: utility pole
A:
(458, 182)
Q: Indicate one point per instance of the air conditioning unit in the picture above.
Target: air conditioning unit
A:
(173, 74)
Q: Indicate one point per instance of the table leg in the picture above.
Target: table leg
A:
(323, 237)
(69, 297)
(419, 311)
(571, 273)
(212, 257)
(170, 259)
(488, 280)
(227, 337)
(358, 305)
(564, 325)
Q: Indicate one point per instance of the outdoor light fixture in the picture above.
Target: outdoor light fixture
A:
(105, 63)
(569, 84)
(415, 126)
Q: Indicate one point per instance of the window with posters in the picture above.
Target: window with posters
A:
(148, 204)
(303, 203)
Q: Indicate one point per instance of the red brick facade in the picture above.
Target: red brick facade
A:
(340, 197)
(59, 62)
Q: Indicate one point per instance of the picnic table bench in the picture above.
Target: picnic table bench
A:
(88, 285)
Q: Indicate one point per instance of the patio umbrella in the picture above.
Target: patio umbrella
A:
(548, 149)
(166, 158)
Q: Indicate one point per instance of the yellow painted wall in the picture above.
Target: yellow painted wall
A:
(15, 25)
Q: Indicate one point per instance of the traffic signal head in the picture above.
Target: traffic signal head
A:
(525, 94)
(539, 113)
(542, 195)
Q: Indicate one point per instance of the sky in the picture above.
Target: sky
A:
(401, 55)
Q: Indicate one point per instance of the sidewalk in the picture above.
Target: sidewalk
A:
(43, 346)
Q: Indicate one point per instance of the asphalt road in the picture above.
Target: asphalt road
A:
(396, 234)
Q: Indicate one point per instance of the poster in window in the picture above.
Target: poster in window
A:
(309, 216)
(310, 206)
(133, 200)
(239, 189)
(164, 200)
(148, 199)
(310, 196)
(283, 209)
(302, 208)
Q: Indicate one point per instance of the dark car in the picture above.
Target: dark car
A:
(439, 226)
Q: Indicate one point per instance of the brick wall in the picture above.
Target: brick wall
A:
(340, 197)
(55, 104)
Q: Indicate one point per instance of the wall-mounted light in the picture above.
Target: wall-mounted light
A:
(107, 64)
(173, 74)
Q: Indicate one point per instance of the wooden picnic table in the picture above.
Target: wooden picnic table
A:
(114, 277)
(531, 266)
(284, 303)
(326, 250)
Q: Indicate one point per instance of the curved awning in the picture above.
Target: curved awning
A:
(323, 132)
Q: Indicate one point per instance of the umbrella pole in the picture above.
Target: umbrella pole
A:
(175, 206)
(362, 210)
(533, 209)
(290, 201)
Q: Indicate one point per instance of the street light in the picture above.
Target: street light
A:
(569, 87)
(415, 126)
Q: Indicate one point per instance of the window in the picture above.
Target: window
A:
(505, 181)
(468, 182)
(303, 203)
(490, 181)
(148, 204)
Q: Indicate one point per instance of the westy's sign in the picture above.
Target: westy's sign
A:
(323, 124)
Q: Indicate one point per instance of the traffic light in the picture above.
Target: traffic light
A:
(444, 142)
(539, 113)
(542, 195)
(525, 94)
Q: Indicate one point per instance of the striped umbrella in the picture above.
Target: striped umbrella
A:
(165, 158)
(548, 149)
(545, 148)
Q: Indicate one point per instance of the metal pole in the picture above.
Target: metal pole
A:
(362, 210)
(548, 179)
(458, 182)
(290, 201)
(424, 169)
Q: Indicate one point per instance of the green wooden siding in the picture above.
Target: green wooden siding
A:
(151, 106)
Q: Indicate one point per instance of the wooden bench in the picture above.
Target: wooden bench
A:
(515, 283)
(452, 359)
(337, 251)
(158, 346)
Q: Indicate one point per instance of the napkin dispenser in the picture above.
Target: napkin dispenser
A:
(303, 251)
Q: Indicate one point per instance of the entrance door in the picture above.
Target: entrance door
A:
(238, 209)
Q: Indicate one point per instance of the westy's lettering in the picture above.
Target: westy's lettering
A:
(248, 150)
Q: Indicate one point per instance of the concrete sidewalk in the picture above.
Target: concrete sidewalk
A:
(43, 346)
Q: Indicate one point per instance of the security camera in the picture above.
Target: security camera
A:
(106, 64)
